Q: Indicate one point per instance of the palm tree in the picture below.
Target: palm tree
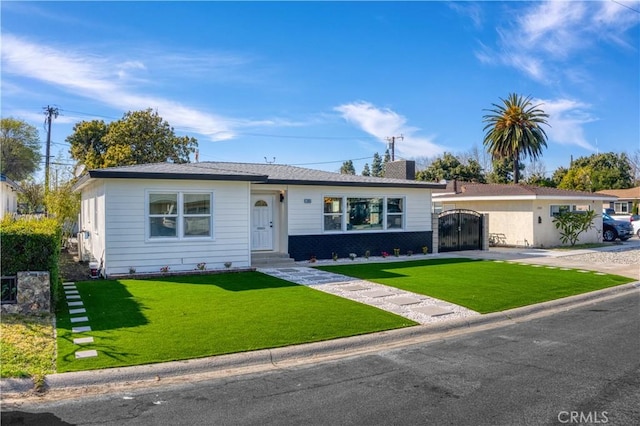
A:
(513, 130)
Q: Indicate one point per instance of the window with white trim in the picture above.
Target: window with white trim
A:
(179, 214)
(363, 213)
(556, 209)
(333, 213)
(621, 207)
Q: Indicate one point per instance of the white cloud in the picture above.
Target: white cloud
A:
(108, 80)
(469, 9)
(567, 118)
(384, 123)
(545, 37)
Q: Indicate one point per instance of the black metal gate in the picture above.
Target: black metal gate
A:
(459, 230)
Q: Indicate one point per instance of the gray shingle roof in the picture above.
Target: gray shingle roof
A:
(252, 172)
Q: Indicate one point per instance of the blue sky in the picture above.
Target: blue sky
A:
(318, 83)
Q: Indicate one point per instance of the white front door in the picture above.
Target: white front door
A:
(262, 222)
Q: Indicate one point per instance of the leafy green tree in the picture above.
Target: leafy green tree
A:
(376, 166)
(385, 160)
(572, 224)
(19, 149)
(87, 145)
(513, 131)
(139, 137)
(597, 172)
(31, 199)
(502, 171)
(540, 180)
(449, 167)
(63, 204)
(365, 170)
(558, 175)
(347, 168)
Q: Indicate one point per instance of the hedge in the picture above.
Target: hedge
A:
(32, 245)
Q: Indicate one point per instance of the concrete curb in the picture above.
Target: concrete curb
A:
(343, 347)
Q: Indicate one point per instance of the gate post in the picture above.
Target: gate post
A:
(485, 231)
(435, 240)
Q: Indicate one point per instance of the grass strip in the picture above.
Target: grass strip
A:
(137, 322)
(481, 285)
(27, 347)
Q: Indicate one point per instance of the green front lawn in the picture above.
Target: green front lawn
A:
(483, 286)
(137, 322)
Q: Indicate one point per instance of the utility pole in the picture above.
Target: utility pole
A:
(392, 142)
(50, 113)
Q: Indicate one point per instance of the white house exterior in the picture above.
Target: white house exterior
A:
(522, 215)
(8, 196)
(147, 217)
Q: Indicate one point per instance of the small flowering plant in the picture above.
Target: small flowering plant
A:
(396, 252)
(132, 270)
(312, 259)
(201, 266)
(352, 256)
(409, 252)
(227, 264)
(425, 250)
(367, 254)
(165, 269)
(334, 256)
(385, 254)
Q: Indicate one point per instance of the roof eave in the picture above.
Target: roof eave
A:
(408, 184)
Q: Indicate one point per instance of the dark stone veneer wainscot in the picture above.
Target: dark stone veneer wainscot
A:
(303, 247)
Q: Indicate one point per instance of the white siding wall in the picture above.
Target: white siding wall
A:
(307, 218)
(92, 210)
(8, 199)
(126, 223)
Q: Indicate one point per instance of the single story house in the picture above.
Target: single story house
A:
(8, 196)
(627, 199)
(522, 215)
(156, 216)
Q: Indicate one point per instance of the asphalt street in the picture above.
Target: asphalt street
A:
(574, 366)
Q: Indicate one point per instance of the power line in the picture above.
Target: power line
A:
(624, 5)
(265, 135)
(330, 162)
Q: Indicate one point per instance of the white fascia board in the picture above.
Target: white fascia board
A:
(525, 197)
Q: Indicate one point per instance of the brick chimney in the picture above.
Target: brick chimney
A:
(400, 169)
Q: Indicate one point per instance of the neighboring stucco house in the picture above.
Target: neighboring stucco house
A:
(146, 217)
(8, 196)
(626, 199)
(522, 215)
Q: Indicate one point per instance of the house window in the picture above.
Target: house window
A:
(363, 213)
(395, 213)
(179, 215)
(333, 213)
(556, 209)
(621, 208)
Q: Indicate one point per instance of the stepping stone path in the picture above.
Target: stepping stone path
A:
(417, 307)
(74, 301)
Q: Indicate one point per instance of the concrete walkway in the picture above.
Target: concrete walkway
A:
(417, 307)
(427, 310)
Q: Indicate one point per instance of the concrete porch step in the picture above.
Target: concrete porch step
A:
(271, 260)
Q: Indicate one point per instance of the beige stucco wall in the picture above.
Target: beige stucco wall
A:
(517, 221)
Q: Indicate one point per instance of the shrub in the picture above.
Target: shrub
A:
(572, 224)
(32, 245)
